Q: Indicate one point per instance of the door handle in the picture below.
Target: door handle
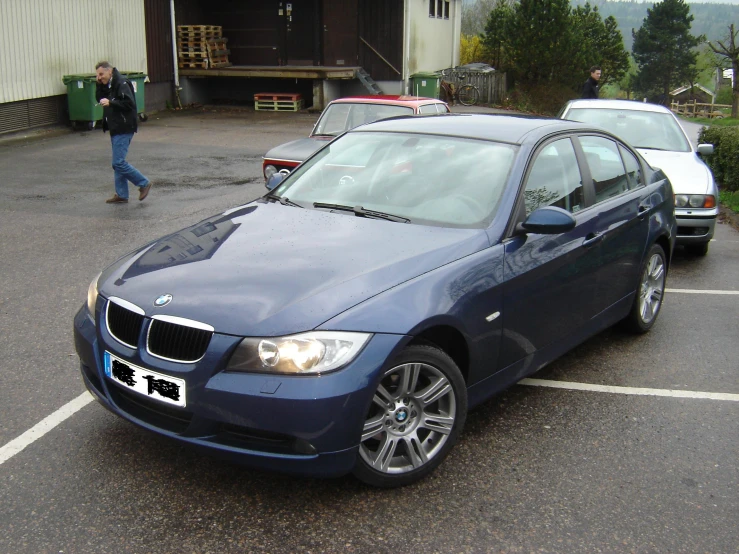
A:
(593, 238)
(642, 211)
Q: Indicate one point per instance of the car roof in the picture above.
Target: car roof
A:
(388, 99)
(618, 105)
(495, 127)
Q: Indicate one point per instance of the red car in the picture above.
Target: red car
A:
(340, 116)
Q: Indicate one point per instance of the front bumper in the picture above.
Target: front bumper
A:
(302, 425)
(695, 226)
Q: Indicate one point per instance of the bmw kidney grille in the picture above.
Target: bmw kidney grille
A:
(170, 338)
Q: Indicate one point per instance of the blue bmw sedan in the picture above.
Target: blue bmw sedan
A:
(409, 270)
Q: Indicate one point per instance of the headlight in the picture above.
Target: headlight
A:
(304, 354)
(92, 296)
(695, 201)
(269, 170)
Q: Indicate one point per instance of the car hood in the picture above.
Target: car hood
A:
(265, 269)
(687, 173)
(297, 150)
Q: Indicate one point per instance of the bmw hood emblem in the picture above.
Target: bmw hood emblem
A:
(163, 300)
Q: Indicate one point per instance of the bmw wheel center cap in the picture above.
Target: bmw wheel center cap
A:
(163, 300)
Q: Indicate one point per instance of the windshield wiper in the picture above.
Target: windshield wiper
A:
(282, 200)
(359, 211)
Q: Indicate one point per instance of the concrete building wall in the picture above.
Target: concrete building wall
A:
(432, 41)
(42, 40)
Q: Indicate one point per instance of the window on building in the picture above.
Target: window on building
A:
(432, 8)
(446, 9)
(439, 8)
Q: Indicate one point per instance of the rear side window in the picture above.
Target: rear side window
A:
(428, 109)
(606, 167)
(554, 179)
(633, 168)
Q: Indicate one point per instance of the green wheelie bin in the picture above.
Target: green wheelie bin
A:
(84, 109)
(425, 84)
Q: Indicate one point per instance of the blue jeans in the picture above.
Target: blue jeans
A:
(123, 170)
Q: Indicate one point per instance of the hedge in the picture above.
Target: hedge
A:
(724, 162)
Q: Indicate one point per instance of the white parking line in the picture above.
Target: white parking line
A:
(44, 426)
(697, 291)
(630, 390)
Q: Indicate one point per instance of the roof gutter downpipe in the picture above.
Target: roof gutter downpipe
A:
(175, 63)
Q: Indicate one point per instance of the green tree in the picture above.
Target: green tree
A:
(539, 40)
(598, 42)
(496, 33)
(628, 81)
(663, 49)
(729, 48)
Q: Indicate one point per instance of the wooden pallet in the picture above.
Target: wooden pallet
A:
(192, 47)
(196, 35)
(194, 54)
(216, 65)
(199, 28)
(278, 96)
(278, 105)
(188, 64)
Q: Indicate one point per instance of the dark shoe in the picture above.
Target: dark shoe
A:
(116, 200)
(144, 191)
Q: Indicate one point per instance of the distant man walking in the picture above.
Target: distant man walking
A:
(119, 117)
(590, 88)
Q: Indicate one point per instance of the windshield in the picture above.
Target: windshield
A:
(431, 180)
(642, 129)
(341, 117)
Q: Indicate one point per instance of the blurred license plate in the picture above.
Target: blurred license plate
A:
(144, 381)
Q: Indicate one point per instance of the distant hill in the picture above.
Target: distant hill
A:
(711, 19)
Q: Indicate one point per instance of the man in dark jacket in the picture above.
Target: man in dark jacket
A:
(590, 89)
(118, 100)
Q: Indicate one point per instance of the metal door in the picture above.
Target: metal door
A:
(340, 42)
(300, 31)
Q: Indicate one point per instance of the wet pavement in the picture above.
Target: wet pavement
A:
(536, 470)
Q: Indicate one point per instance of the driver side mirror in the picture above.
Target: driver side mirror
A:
(705, 149)
(548, 220)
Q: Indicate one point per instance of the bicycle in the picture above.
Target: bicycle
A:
(467, 94)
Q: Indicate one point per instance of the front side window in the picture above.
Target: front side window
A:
(428, 109)
(554, 179)
(606, 167)
(427, 179)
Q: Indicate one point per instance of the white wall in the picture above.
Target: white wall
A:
(42, 40)
(431, 43)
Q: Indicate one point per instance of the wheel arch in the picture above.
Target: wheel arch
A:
(664, 242)
(451, 341)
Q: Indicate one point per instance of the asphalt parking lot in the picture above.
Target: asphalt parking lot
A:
(626, 444)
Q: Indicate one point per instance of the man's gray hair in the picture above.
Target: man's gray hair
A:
(104, 65)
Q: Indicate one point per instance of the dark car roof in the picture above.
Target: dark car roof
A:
(500, 128)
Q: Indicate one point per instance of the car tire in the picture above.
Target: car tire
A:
(416, 416)
(697, 249)
(650, 291)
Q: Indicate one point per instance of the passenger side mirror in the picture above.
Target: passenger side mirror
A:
(705, 149)
(274, 180)
(548, 220)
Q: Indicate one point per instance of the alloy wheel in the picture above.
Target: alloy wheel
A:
(652, 288)
(411, 418)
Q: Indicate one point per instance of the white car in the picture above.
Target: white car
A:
(658, 136)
